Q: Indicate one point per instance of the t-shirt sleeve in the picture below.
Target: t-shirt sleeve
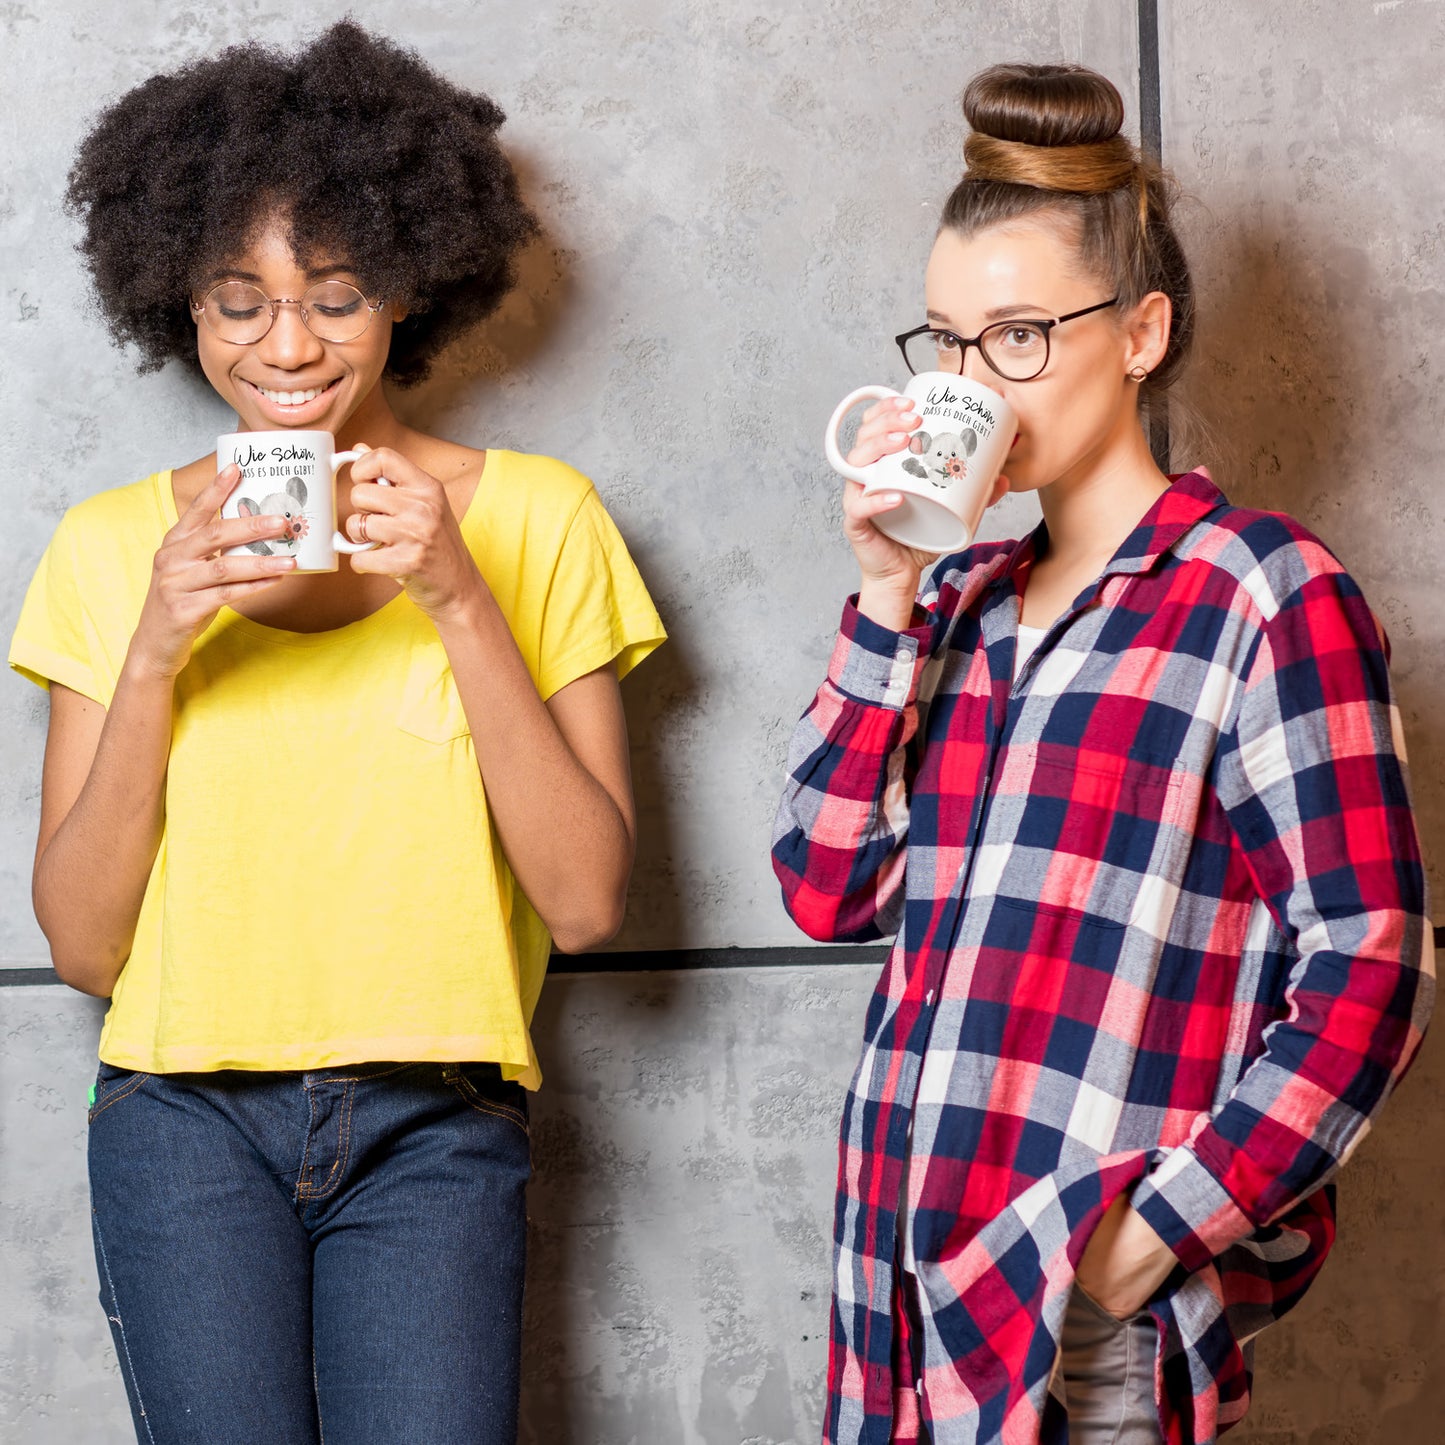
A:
(598, 609)
(53, 641)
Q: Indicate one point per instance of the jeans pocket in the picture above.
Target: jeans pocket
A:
(482, 1088)
(1105, 1316)
(112, 1084)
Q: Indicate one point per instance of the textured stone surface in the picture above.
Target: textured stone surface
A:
(737, 199)
(1309, 137)
(681, 1211)
(681, 1226)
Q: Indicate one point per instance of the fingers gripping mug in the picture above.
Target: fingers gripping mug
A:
(290, 474)
(952, 461)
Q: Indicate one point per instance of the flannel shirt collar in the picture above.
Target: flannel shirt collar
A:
(1191, 497)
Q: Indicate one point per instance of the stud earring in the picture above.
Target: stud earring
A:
(1138, 373)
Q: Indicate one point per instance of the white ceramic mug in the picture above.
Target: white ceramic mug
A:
(290, 474)
(952, 461)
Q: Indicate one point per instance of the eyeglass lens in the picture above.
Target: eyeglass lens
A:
(1017, 350)
(240, 312)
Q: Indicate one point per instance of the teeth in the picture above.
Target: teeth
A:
(290, 398)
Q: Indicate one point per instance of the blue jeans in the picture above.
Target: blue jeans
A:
(328, 1258)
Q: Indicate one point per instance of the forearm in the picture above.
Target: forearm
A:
(567, 840)
(90, 877)
(842, 826)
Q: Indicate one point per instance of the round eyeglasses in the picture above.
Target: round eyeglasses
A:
(1016, 350)
(241, 313)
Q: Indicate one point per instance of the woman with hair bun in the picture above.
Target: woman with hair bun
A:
(312, 835)
(1131, 793)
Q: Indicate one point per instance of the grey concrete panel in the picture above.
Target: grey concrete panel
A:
(738, 199)
(684, 1152)
(59, 1382)
(1308, 137)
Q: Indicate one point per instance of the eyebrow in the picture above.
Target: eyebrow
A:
(998, 313)
(230, 273)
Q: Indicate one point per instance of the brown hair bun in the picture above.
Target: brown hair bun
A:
(1055, 127)
(1044, 105)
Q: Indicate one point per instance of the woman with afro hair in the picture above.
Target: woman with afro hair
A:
(313, 834)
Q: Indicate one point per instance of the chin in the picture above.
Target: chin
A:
(1024, 480)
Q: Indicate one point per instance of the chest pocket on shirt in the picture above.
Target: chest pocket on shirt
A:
(1098, 836)
(431, 707)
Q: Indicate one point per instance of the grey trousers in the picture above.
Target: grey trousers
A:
(1106, 1376)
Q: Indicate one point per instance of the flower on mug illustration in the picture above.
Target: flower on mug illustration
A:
(942, 456)
(286, 504)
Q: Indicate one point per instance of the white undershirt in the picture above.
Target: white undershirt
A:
(1029, 639)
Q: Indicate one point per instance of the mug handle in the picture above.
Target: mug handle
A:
(830, 437)
(339, 540)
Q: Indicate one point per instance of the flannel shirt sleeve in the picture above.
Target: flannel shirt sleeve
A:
(838, 847)
(1312, 777)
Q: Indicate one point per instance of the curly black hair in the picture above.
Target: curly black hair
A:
(355, 143)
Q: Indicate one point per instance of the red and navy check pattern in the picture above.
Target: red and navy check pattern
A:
(1160, 922)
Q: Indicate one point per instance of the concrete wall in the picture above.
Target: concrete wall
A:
(1308, 136)
(681, 1211)
(738, 200)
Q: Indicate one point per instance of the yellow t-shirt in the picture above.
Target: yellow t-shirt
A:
(329, 888)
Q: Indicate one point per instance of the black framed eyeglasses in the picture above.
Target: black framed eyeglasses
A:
(1016, 350)
(242, 314)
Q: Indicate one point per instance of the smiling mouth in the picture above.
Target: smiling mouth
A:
(292, 398)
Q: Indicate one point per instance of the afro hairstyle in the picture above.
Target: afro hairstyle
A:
(361, 148)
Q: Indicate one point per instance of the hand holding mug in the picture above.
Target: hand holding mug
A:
(203, 563)
(954, 457)
(891, 427)
(417, 536)
(291, 474)
(885, 430)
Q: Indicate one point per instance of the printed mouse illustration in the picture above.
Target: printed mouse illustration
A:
(286, 504)
(943, 456)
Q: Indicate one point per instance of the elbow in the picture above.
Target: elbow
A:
(585, 930)
(81, 968)
(582, 936)
(84, 975)
(826, 919)
(820, 927)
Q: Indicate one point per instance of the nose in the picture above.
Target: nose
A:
(289, 345)
(975, 368)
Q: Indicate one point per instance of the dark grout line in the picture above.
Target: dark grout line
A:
(678, 960)
(1151, 142)
(658, 960)
(1151, 127)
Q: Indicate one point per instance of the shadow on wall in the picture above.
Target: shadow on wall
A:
(592, 1340)
(520, 330)
(1303, 410)
(517, 338)
(1313, 402)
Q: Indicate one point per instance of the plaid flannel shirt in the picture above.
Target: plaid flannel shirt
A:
(1160, 920)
